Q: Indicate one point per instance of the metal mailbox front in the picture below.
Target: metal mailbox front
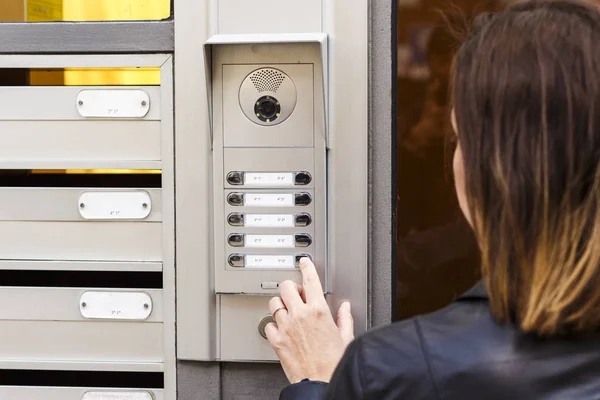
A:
(80, 124)
(59, 224)
(62, 327)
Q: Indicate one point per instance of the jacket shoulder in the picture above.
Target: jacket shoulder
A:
(398, 358)
(395, 364)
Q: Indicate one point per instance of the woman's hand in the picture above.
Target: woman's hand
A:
(305, 337)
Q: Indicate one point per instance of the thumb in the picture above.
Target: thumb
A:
(345, 323)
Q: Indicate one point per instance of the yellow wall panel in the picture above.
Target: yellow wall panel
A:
(98, 10)
(124, 76)
(44, 10)
(116, 10)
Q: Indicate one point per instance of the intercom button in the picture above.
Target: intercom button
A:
(236, 199)
(303, 219)
(303, 240)
(263, 324)
(237, 260)
(236, 240)
(235, 178)
(300, 257)
(236, 219)
(302, 199)
(302, 178)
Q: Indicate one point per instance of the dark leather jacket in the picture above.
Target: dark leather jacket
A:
(459, 353)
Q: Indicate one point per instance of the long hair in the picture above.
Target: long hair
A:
(526, 97)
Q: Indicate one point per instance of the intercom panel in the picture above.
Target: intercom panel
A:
(269, 164)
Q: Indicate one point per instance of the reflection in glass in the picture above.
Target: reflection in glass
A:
(436, 251)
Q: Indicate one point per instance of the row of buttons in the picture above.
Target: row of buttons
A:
(239, 178)
(261, 261)
(238, 199)
(269, 241)
(269, 220)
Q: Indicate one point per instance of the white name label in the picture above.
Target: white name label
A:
(117, 396)
(270, 241)
(269, 220)
(269, 178)
(114, 205)
(100, 103)
(115, 305)
(253, 261)
(269, 200)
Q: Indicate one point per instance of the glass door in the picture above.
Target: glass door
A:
(437, 256)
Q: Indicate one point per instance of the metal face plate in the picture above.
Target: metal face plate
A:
(115, 205)
(113, 103)
(115, 305)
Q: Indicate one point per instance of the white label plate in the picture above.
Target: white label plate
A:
(269, 178)
(115, 305)
(258, 261)
(269, 241)
(114, 205)
(100, 103)
(269, 220)
(113, 395)
(269, 199)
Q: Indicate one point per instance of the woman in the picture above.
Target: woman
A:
(526, 98)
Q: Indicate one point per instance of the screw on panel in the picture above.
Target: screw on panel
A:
(81, 205)
(84, 304)
(144, 103)
(80, 102)
(146, 305)
(145, 205)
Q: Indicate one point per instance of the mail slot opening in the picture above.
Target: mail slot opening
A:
(142, 76)
(118, 178)
(102, 379)
(82, 279)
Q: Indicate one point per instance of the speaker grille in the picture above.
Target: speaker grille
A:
(267, 80)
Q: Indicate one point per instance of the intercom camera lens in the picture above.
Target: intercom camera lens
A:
(267, 109)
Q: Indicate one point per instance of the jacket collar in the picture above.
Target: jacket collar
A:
(477, 292)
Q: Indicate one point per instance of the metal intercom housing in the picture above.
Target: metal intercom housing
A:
(269, 172)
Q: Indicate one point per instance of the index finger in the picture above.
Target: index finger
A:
(313, 290)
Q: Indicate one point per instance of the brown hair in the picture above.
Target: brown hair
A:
(526, 96)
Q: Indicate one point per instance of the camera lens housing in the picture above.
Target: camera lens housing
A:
(267, 96)
(267, 109)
